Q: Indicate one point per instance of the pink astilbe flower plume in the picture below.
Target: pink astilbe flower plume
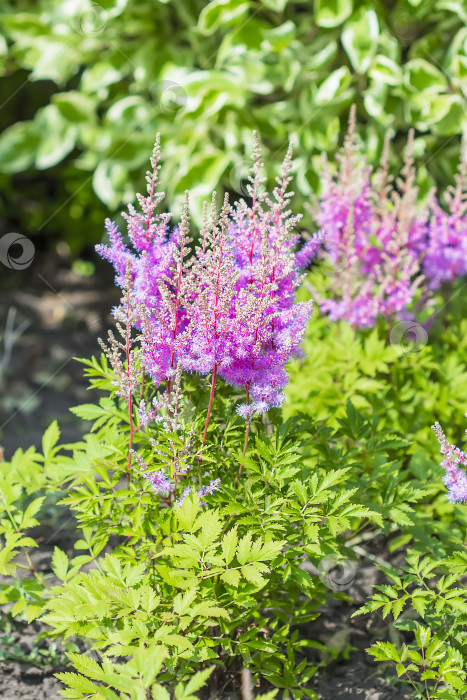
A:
(271, 324)
(159, 482)
(446, 256)
(374, 234)
(153, 244)
(455, 464)
(213, 485)
(165, 324)
(213, 312)
(228, 309)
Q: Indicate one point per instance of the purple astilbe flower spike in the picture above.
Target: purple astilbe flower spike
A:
(152, 258)
(117, 253)
(270, 324)
(309, 251)
(374, 235)
(160, 484)
(214, 485)
(212, 313)
(446, 256)
(147, 231)
(229, 309)
(344, 211)
(146, 415)
(166, 325)
(455, 463)
(183, 495)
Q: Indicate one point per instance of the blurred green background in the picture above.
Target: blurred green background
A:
(85, 86)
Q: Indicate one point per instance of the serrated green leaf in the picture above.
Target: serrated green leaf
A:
(232, 577)
(59, 564)
(50, 439)
(229, 545)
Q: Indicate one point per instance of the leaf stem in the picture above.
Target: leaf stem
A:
(129, 397)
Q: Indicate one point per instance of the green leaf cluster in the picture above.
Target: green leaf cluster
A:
(434, 661)
(228, 580)
(158, 589)
(99, 79)
(407, 385)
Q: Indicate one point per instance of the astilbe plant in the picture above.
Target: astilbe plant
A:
(228, 309)
(373, 234)
(387, 250)
(225, 310)
(194, 525)
(167, 591)
(446, 252)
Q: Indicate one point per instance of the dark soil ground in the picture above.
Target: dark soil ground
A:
(65, 313)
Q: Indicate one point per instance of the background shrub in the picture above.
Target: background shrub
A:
(407, 374)
(90, 83)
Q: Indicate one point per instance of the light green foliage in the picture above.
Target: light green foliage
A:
(195, 580)
(219, 582)
(158, 592)
(100, 79)
(434, 662)
(409, 378)
(134, 680)
(21, 480)
(406, 385)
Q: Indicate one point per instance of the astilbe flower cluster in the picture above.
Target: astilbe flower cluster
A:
(214, 485)
(228, 309)
(446, 253)
(225, 308)
(373, 234)
(266, 256)
(455, 464)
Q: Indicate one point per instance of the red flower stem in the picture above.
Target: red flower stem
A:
(211, 397)
(132, 432)
(247, 389)
(129, 398)
(214, 371)
(247, 432)
(177, 303)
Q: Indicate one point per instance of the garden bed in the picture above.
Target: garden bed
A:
(66, 312)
